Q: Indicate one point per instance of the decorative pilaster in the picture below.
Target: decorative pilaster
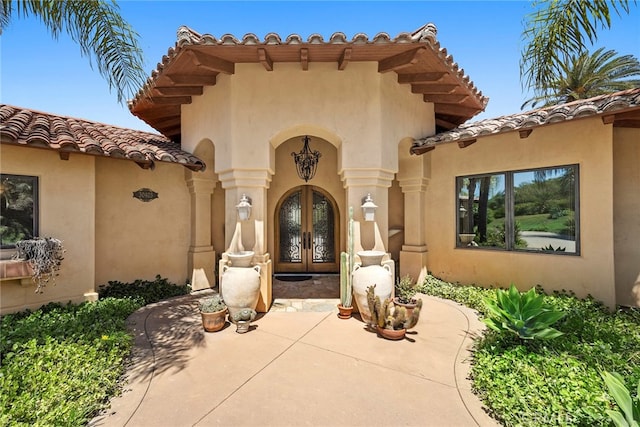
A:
(201, 255)
(413, 255)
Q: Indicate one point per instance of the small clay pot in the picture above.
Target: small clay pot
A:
(344, 312)
(391, 334)
(213, 322)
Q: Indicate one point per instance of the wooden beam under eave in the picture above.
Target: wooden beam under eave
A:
(177, 90)
(454, 110)
(524, 133)
(159, 112)
(192, 79)
(344, 59)
(168, 121)
(421, 77)
(422, 149)
(64, 155)
(441, 89)
(304, 59)
(265, 59)
(146, 164)
(171, 130)
(445, 124)
(441, 98)
(466, 143)
(171, 100)
(401, 60)
(607, 120)
(212, 63)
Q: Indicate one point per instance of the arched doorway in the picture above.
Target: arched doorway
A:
(307, 232)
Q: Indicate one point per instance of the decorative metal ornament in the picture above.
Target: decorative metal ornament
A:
(145, 194)
(306, 161)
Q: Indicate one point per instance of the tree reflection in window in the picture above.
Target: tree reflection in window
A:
(18, 208)
(532, 210)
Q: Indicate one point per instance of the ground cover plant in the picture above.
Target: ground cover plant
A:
(532, 382)
(60, 364)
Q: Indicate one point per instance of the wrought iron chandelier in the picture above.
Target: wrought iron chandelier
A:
(306, 161)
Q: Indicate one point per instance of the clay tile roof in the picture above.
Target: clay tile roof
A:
(620, 108)
(31, 128)
(196, 60)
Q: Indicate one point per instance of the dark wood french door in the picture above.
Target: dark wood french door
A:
(306, 231)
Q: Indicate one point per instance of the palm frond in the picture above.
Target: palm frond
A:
(560, 28)
(101, 32)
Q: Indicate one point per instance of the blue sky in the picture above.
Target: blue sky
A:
(484, 38)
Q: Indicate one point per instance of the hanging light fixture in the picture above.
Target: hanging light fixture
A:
(306, 161)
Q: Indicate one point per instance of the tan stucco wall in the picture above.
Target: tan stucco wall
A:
(363, 113)
(66, 201)
(585, 142)
(135, 239)
(626, 213)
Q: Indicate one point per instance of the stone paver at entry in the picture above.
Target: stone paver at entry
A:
(298, 368)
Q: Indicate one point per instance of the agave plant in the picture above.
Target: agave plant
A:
(629, 413)
(525, 314)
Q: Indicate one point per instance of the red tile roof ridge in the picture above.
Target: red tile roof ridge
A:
(426, 34)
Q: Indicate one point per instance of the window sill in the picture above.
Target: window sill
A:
(16, 271)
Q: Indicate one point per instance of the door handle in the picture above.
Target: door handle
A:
(304, 240)
(308, 240)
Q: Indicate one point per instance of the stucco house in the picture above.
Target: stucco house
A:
(544, 197)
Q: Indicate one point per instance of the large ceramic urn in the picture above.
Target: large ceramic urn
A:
(371, 272)
(240, 287)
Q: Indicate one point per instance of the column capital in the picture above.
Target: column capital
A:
(414, 185)
(201, 185)
(366, 177)
(234, 178)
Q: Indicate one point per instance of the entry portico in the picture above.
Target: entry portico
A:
(243, 106)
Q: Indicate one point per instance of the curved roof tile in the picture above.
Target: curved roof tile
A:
(32, 128)
(599, 105)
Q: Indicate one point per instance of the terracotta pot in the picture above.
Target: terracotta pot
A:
(344, 312)
(240, 288)
(409, 307)
(391, 334)
(363, 277)
(213, 322)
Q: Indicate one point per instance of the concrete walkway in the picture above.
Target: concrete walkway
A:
(298, 368)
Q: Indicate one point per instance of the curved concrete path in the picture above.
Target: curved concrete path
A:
(301, 368)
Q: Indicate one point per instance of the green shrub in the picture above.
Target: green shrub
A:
(524, 314)
(60, 364)
(150, 291)
(551, 382)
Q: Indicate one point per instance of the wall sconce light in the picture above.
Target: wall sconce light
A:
(463, 211)
(369, 208)
(244, 208)
(306, 161)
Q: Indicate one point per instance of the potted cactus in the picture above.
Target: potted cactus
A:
(389, 320)
(213, 311)
(345, 308)
(405, 294)
(243, 319)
